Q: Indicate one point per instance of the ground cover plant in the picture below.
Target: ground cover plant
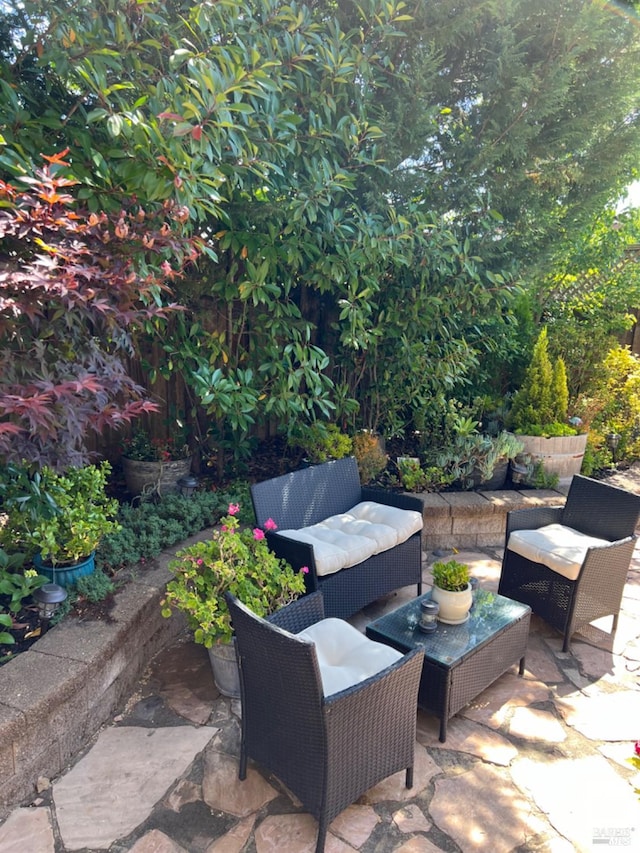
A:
(144, 532)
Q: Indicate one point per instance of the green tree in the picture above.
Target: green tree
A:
(369, 177)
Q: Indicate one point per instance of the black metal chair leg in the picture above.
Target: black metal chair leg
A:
(409, 777)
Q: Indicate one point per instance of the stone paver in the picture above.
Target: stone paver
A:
(583, 797)
(113, 788)
(490, 812)
(223, 790)
(27, 829)
(608, 716)
(156, 842)
(537, 763)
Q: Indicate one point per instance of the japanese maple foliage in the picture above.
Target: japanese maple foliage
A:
(74, 289)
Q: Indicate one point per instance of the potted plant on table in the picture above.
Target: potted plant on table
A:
(452, 590)
(154, 466)
(58, 519)
(236, 559)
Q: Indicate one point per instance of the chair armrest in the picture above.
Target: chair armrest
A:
(530, 519)
(297, 554)
(384, 496)
(299, 614)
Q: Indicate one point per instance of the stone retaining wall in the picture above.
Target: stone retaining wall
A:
(466, 520)
(55, 696)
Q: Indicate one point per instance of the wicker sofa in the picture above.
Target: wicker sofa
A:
(322, 511)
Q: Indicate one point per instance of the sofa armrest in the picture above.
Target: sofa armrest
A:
(385, 704)
(389, 498)
(297, 554)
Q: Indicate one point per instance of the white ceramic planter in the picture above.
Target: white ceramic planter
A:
(454, 606)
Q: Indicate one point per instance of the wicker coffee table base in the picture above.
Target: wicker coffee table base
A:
(445, 688)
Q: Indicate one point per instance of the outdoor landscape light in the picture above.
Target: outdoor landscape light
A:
(428, 616)
(613, 440)
(188, 485)
(48, 598)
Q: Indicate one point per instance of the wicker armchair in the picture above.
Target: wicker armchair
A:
(566, 597)
(328, 750)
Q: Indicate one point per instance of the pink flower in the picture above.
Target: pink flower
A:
(257, 533)
(200, 561)
(224, 528)
(270, 524)
(305, 570)
(637, 747)
(234, 509)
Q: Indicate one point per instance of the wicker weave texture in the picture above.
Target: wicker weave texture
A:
(598, 510)
(327, 751)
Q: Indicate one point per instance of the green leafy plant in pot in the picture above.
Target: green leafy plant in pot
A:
(59, 519)
(539, 416)
(452, 590)
(237, 560)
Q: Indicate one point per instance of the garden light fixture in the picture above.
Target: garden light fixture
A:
(613, 440)
(188, 485)
(48, 599)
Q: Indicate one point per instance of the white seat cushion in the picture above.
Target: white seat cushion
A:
(382, 536)
(345, 656)
(560, 548)
(351, 537)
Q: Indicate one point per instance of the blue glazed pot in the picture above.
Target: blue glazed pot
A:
(66, 575)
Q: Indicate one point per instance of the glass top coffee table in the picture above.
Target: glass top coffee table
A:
(460, 661)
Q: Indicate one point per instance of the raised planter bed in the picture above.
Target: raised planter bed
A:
(467, 520)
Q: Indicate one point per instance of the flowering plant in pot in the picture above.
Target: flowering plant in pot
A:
(452, 590)
(237, 560)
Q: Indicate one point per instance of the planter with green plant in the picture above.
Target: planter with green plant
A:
(153, 466)
(539, 415)
(237, 560)
(452, 590)
(58, 519)
(478, 461)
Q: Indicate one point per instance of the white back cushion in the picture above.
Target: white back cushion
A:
(351, 537)
(345, 656)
